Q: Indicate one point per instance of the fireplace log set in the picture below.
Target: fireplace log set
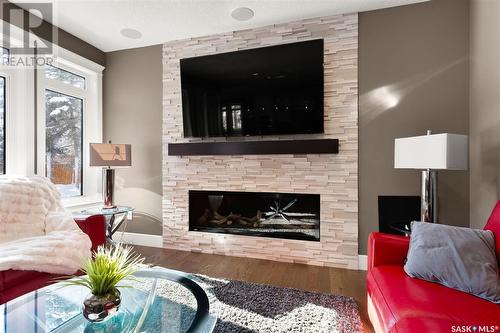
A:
(216, 218)
(236, 220)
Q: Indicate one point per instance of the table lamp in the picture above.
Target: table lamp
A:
(430, 153)
(107, 155)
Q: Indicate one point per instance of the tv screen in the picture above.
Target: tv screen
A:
(263, 91)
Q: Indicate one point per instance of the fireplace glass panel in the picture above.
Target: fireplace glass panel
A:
(279, 215)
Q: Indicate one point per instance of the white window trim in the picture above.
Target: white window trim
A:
(92, 118)
(20, 141)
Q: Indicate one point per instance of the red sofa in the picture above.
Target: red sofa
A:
(14, 283)
(398, 303)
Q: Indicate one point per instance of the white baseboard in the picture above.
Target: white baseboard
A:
(139, 239)
(362, 262)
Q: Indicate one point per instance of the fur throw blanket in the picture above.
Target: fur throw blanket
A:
(36, 232)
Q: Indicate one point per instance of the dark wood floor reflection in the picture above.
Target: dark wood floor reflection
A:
(313, 278)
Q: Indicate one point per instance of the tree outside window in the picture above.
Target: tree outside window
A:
(63, 119)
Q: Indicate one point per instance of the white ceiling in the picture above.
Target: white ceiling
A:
(99, 22)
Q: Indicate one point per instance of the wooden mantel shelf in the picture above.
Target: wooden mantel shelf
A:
(264, 147)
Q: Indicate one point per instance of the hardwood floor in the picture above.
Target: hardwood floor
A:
(314, 278)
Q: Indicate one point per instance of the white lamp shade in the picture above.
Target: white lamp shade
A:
(437, 151)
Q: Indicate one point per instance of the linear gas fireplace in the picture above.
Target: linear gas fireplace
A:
(281, 215)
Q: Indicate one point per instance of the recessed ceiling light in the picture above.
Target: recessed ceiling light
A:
(242, 14)
(131, 33)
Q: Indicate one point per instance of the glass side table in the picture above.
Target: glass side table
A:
(158, 300)
(115, 217)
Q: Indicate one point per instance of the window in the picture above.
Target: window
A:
(224, 118)
(4, 55)
(46, 125)
(231, 123)
(69, 118)
(2, 125)
(64, 140)
(64, 76)
(64, 96)
(64, 125)
(236, 114)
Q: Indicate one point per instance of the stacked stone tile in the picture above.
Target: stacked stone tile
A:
(334, 177)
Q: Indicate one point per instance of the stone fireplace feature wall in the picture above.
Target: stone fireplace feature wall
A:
(333, 176)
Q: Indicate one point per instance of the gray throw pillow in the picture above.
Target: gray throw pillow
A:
(459, 258)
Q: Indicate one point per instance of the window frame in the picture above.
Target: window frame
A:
(91, 96)
(69, 72)
(23, 135)
(19, 139)
(4, 169)
(19, 133)
(82, 125)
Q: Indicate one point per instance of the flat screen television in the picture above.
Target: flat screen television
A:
(262, 91)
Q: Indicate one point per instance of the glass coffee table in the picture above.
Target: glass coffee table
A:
(158, 300)
(115, 217)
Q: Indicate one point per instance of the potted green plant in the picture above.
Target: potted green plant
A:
(108, 267)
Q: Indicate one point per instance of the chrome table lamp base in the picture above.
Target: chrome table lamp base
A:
(429, 199)
(109, 183)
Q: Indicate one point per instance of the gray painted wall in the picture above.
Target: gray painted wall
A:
(133, 114)
(413, 76)
(484, 109)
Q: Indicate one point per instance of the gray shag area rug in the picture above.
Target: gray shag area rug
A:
(250, 307)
